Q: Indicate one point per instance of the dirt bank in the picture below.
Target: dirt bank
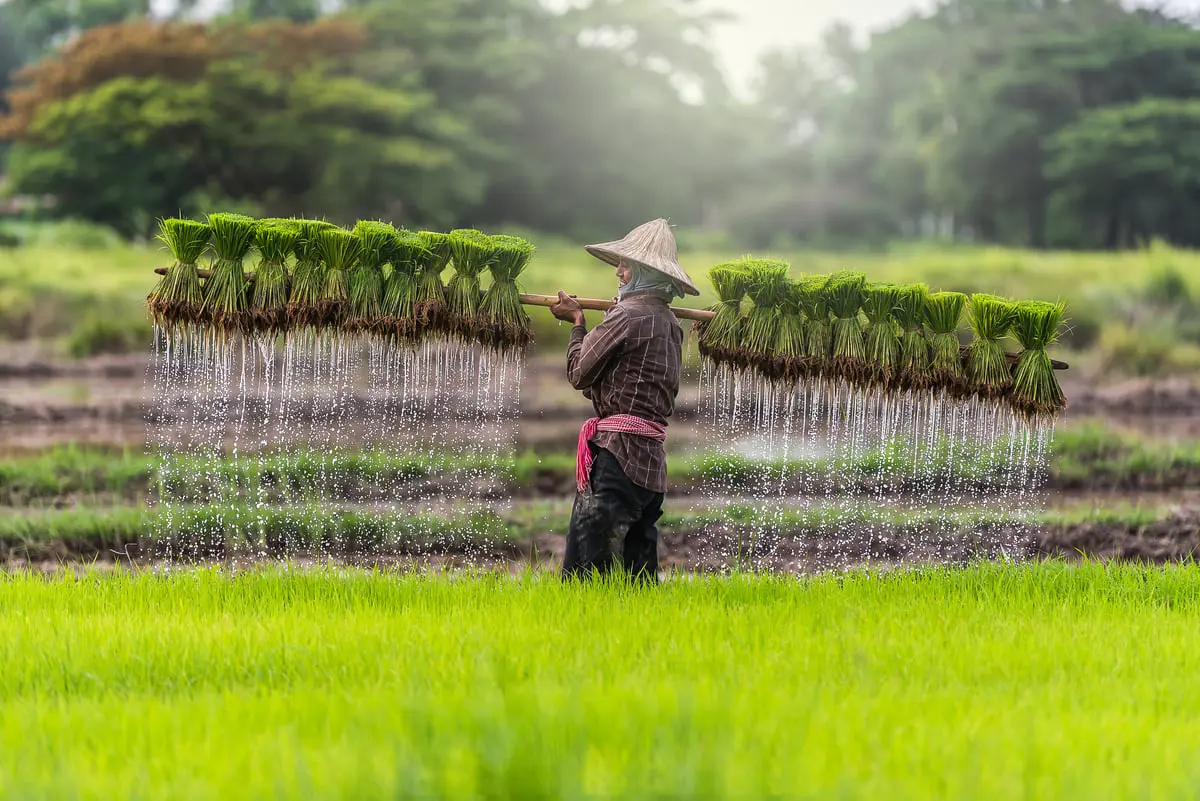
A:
(715, 549)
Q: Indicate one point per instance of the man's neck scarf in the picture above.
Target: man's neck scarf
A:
(646, 280)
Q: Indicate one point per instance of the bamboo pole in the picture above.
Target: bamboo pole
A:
(596, 304)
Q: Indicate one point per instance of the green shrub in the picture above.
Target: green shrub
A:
(1146, 353)
(71, 234)
(1167, 287)
(108, 334)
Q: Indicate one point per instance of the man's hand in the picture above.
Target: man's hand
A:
(567, 309)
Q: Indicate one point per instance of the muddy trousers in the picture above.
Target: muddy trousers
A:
(613, 524)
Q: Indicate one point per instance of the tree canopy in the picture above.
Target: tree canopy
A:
(1050, 123)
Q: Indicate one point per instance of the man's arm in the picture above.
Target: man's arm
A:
(589, 351)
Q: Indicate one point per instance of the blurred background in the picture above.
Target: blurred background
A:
(1035, 148)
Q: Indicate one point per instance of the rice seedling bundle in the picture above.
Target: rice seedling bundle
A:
(429, 295)
(340, 251)
(308, 276)
(177, 299)
(473, 252)
(789, 357)
(991, 318)
(882, 341)
(911, 304)
(718, 338)
(505, 324)
(397, 310)
(1036, 392)
(767, 288)
(845, 294)
(366, 277)
(226, 292)
(943, 311)
(268, 307)
(818, 341)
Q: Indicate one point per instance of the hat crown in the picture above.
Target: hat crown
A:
(654, 237)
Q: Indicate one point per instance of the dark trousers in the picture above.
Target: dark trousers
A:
(613, 524)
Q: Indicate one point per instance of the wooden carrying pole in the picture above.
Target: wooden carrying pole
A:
(596, 304)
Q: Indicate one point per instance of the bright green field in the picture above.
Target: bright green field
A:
(994, 682)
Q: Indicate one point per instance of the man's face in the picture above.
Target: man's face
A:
(624, 274)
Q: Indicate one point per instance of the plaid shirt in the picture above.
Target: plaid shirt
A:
(629, 364)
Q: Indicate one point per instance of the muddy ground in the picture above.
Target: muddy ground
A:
(104, 400)
(45, 402)
(712, 550)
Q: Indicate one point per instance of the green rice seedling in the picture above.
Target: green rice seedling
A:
(366, 277)
(303, 664)
(226, 292)
(1036, 392)
(398, 315)
(340, 251)
(177, 299)
(914, 346)
(845, 294)
(882, 341)
(790, 360)
(268, 307)
(719, 337)
(473, 252)
(429, 294)
(991, 318)
(818, 342)
(767, 288)
(308, 276)
(506, 326)
(943, 312)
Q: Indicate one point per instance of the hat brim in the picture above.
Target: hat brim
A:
(615, 252)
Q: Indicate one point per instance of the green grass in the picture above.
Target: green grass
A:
(1094, 455)
(45, 289)
(66, 472)
(992, 682)
(88, 529)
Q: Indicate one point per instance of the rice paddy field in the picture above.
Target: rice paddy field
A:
(352, 615)
(987, 682)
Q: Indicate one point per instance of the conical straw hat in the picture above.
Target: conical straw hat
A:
(651, 245)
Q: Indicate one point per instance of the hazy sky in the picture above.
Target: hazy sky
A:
(763, 24)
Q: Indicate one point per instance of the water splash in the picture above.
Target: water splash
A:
(326, 445)
(833, 474)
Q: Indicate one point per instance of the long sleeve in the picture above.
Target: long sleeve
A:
(589, 352)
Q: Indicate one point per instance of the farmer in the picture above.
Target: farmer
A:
(628, 367)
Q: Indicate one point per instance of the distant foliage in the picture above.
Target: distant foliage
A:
(130, 120)
(424, 112)
(1050, 124)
